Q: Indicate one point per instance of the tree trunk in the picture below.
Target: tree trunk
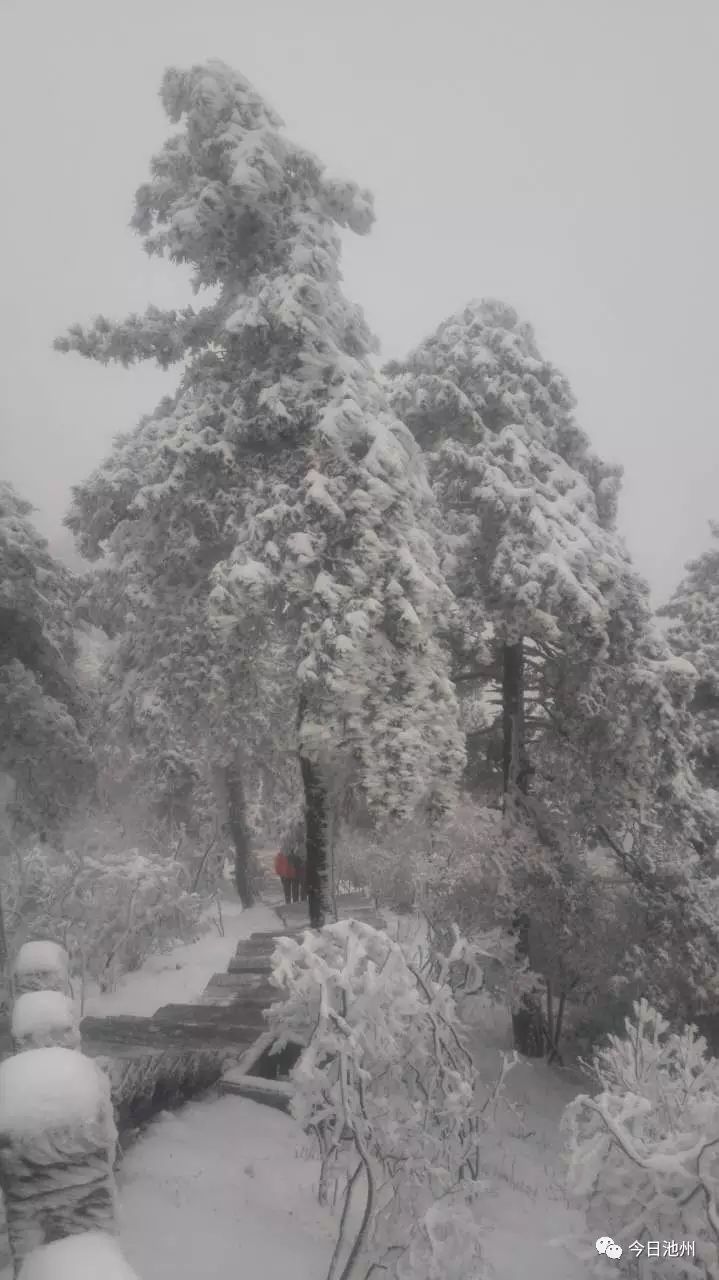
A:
(514, 749)
(527, 1019)
(237, 822)
(316, 830)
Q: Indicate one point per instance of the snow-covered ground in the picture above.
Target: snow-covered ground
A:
(526, 1209)
(221, 1190)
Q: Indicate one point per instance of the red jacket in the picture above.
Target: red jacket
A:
(284, 868)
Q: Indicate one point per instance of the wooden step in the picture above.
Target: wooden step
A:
(241, 982)
(254, 987)
(270, 936)
(238, 1013)
(252, 999)
(255, 949)
(262, 997)
(250, 964)
(222, 998)
(271, 1093)
(114, 1036)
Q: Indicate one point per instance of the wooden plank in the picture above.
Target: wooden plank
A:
(110, 1036)
(241, 982)
(249, 964)
(196, 1015)
(264, 995)
(122, 1025)
(270, 1093)
(271, 935)
(259, 999)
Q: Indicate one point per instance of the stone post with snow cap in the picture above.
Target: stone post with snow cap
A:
(41, 966)
(57, 1149)
(41, 1019)
(93, 1256)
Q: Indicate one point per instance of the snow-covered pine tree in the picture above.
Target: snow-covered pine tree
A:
(43, 748)
(525, 502)
(694, 635)
(530, 545)
(295, 484)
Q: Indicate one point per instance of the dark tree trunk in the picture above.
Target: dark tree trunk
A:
(527, 1019)
(237, 822)
(316, 815)
(515, 771)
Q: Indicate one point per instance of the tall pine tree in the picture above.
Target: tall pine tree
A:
(530, 545)
(279, 465)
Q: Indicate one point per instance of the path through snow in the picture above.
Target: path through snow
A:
(180, 976)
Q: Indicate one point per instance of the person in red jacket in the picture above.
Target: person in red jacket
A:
(288, 877)
(290, 863)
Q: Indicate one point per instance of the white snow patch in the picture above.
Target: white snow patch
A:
(39, 1012)
(221, 1189)
(249, 573)
(92, 1256)
(40, 957)
(49, 1089)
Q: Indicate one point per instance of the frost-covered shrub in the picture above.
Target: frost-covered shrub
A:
(57, 1148)
(84, 1257)
(644, 1151)
(448, 868)
(389, 1089)
(579, 927)
(110, 908)
(41, 1019)
(474, 871)
(461, 877)
(385, 869)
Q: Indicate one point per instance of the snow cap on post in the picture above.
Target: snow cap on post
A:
(85, 1257)
(57, 1148)
(41, 1019)
(41, 966)
(45, 1091)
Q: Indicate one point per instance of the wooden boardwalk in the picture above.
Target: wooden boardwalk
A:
(182, 1049)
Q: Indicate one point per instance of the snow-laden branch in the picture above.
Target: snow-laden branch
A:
(163, 336)
(645, 1150)
(387, 1083)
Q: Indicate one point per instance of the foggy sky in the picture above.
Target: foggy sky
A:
(557, 154)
